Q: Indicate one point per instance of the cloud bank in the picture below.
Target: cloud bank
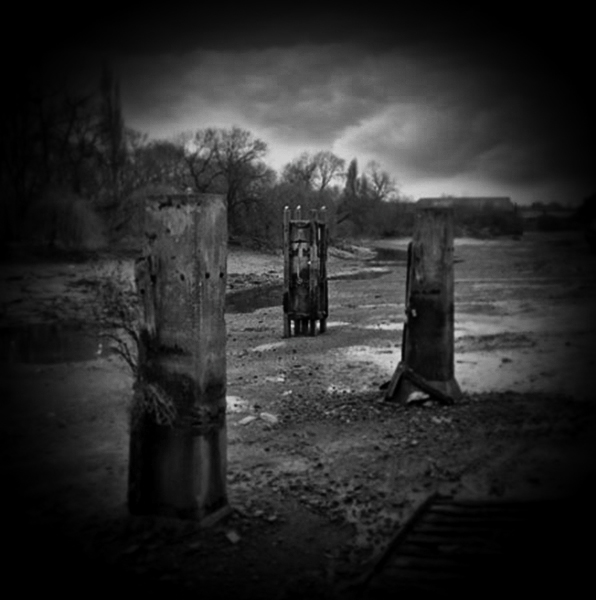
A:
(428, 115)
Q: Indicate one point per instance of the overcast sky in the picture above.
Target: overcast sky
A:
(462, 104)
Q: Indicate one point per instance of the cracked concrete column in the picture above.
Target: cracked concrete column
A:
(178, 442)
(428, 339)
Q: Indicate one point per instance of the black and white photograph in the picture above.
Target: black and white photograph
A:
(298, 302)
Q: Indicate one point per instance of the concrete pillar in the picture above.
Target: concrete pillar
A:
(428, 338)
(178, 421)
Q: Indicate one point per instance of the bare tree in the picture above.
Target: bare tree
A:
(314, 171)
(351, 188)
(78, 136)
(300, 171)
(239, 158)
(112, 139)
(200, 157)
(155, 163)
(46, 136)
(328, 166)
(226, 161)
(381, 185)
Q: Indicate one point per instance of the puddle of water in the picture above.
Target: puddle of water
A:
(550, 367)
(265, 296)
(392, 255)
(385, 326)
(549, 321)
(498, 341)
(268, 347)
(384, 358)
(247, 301)
(50, 344)
(337, 324)
(372, 273)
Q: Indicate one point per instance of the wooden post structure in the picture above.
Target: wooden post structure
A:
(178, 439)
(306, 295)
(427, 361)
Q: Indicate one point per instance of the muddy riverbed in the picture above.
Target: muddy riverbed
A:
(324, 473)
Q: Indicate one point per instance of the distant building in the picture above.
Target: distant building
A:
(549, 218)
(497, 203)
(480, 216)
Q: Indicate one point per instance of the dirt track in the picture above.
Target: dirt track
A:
(320, 491)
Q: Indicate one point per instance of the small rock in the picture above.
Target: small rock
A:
(247, 420)
(440, 420)
(194, 546)
(235, 404)
(417, 397)
(233, 537)
(269, 418)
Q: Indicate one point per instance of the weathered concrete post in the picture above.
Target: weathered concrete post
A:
(427, 361)
(306, 297)
(178, 428)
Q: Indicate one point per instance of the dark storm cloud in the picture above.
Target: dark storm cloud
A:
(308, 91)
(500, 98)
(183, 27)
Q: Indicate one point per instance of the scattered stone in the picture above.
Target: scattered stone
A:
(247, 420)
(235, 404)
(269, 418)
(233, 536)
(193, 546)
(440, 420)
(131, 549)
(417, 397)
(276, 379)
(267, 347)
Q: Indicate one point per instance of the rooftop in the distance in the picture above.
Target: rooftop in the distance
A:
(495, 202)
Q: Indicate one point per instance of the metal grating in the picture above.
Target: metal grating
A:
(470, 547)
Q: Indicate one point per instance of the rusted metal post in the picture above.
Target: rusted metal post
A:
(178, 441)
(427, 361)
(305, 272)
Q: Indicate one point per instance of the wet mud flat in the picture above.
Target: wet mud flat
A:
(55, 340)
(321, 472)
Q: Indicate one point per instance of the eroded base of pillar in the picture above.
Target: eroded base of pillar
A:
(216, 516)
(303, 326)
(406, 388)
(406, 382)
(204, 520)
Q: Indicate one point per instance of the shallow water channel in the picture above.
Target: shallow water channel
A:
(264, 296)
(43, 343)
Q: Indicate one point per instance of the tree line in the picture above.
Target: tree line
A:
(71, 169)
(74, 175)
